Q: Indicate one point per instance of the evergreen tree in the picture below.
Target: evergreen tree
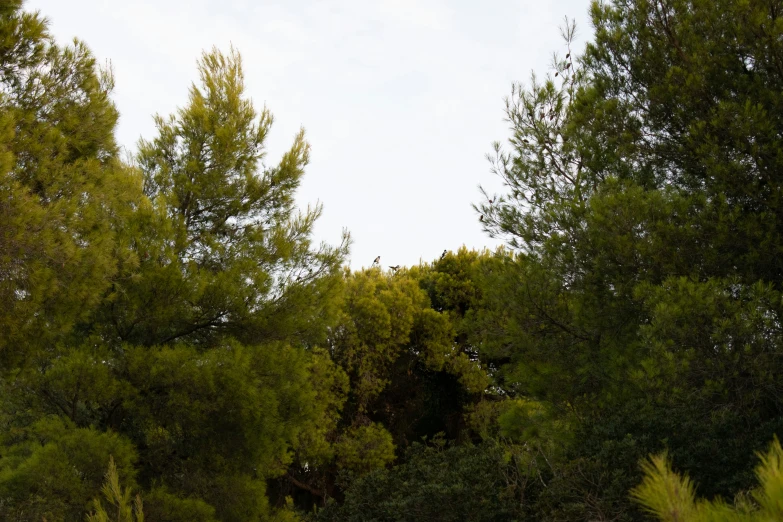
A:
(643, 302)
(224, 251)
(437, 482)
(63, 193)
(62, 186)
(407, 378)
(169, 312)
(52, 469)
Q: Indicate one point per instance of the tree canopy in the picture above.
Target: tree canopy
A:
(174, 346)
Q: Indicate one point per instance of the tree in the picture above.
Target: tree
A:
(438, 483)
(62, 187)
(170, 310)
(52, 469)
(63, 191)
(228, 296)
(224, 251)
(642, 301)
(409, 373)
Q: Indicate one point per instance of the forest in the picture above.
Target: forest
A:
(175, 348)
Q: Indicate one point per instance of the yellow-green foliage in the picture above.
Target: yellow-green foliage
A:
(365, 448)
(121, 507)
(62, 187)
(769, 495)
(383, 316)
(532, 433)
(53, 469)
(398, 360)
(287, 513)
(452, 285)
(530, 420)
(330, 386)
(517, 420)
(672, 498)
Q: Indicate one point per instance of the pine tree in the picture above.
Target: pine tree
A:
(223, 249)
(406, 377)
(643, 203)
(62, 186)
(220, 324)
(170, 311)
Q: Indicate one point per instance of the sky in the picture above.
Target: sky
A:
(401, 100)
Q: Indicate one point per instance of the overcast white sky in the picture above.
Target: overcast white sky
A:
(401, 99)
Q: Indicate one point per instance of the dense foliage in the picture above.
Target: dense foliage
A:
(671, 497)
(168, 319)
